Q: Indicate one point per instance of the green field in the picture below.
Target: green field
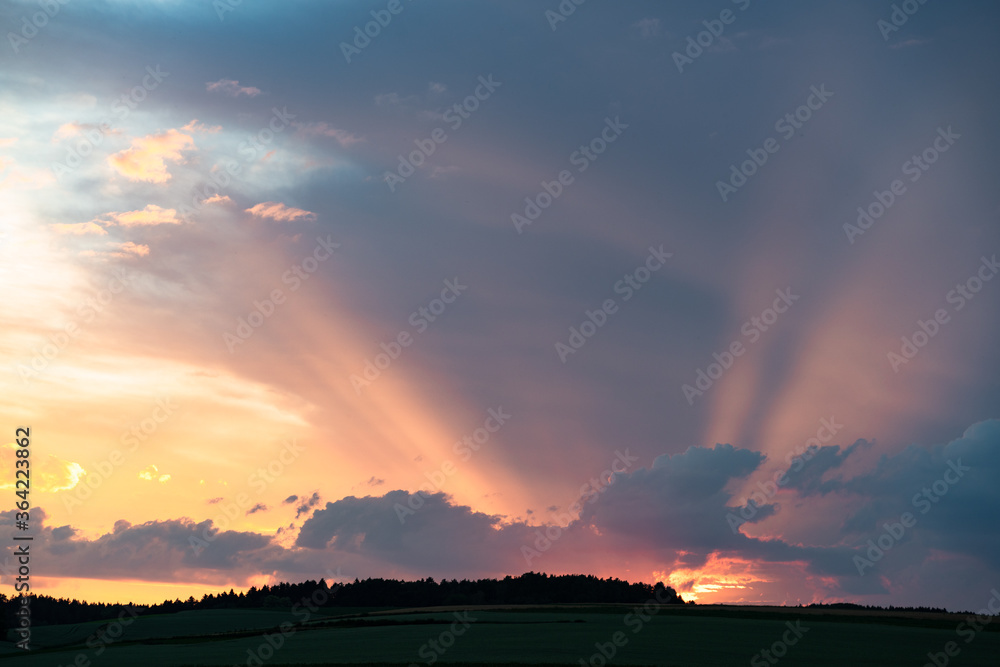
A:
(553, 634)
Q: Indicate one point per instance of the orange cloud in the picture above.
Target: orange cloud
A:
(146, 159)
(195, 126)
(218, 199)
(280, 212)
(151, 215)
(80, 228)
(49, 474)
(128, 249)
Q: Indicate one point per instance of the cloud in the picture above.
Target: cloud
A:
(49, 473)
(441, 172)
(152, 473)
(232, 88)
(949, 488)
(307, 505)
(648, 27)
(672, 513)
(909, 42)
(439, 537)
(151, 215)
(13, 177)
(218, 199)
(74, 129)
(119, 250)
(259, 507)
(280, 212)
(806, 476)
(389, 99)
(129, 249)
(372, 481)
(79, 228)
(343, 137)
(436, 87)
(152, 551)
(683, 495)
(195, 126)
(147, 158)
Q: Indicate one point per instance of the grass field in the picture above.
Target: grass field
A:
(553, 635)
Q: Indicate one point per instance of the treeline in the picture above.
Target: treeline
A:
(529, 588)
(46, 610)
(871, 607)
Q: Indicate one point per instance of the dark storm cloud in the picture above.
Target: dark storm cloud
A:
(259, 507)
(307, 505)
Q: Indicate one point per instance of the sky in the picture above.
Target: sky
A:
(699, 293)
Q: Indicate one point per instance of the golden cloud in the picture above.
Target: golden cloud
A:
(218, 199)
(80, 228)
(151, 215)
(195, 126)
(146, 159)
(152, 473)
(49, 473)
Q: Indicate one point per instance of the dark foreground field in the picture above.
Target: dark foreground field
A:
(685, 636)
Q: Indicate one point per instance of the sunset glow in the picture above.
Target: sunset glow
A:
(513, 303)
